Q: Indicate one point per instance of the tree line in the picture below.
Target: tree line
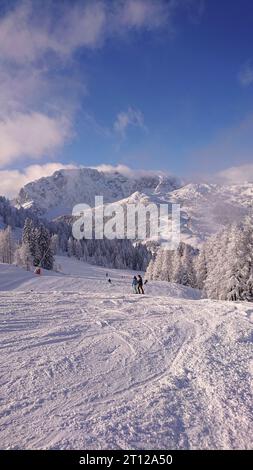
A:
(222, 268)
(38, 247)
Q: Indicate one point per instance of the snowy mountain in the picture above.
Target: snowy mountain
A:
(57, 194)
(205, 208)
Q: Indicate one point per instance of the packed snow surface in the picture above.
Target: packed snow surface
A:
(86, 364)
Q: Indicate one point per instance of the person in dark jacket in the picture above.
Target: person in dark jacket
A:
(135, 285)
(140, 285)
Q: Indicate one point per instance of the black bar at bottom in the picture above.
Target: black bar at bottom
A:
(112, 459)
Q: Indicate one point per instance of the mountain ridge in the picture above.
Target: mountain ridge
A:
(205, 207)
(66, 188)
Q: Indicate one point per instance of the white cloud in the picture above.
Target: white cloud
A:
(31, 135)
(237, 174)
(28, 32)
(19, 40)
(33, 29)
(83, 26)
(246, 74)
(13, 180)
(130, 172)
(38, 42)
(19, 91)
(123, 169)
(131, 117)
(148, 14)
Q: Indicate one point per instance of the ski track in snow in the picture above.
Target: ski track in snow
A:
(93, 366)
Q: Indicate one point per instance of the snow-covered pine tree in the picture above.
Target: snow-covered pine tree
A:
(149, 271)
(27, 229)
(55, 244)
(157, 267)
(29, 238)
(71, 247)
(7, 246)
(23, 257)
(201, 269)
(167, 266)
(248, 244)
(216, 255)
(38, 239)
(239, 263)
(188, 271)
(43, 240)
(249, 295)
(177, 268)
(84, 250)
(229, 257)
(174, 266)
(78, 249)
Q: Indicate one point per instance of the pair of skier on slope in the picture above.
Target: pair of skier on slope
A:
(137, 284)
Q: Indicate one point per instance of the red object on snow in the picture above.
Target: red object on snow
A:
(38, 271)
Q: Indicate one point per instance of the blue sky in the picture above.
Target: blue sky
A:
(151, 84)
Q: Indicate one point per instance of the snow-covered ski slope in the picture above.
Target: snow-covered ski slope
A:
(85, 364)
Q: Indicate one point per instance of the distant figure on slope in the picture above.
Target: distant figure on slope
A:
(135, 285)
(109, 280)
(140, 285)
(38, 271)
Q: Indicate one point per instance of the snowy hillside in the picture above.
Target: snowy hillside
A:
(86, 364)
(205, 208)
(77, 276)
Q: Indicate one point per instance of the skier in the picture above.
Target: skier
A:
(135, 285)
(140, 285)
(109, 280)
